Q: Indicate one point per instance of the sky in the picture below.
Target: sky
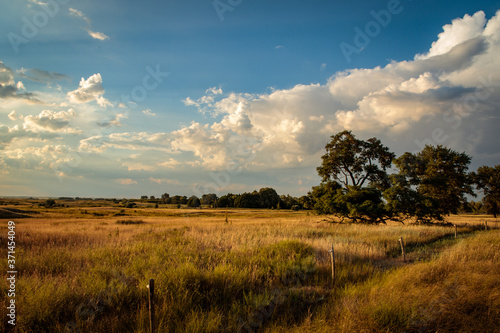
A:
(123, 98)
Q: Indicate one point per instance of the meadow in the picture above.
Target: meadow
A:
(84, 267)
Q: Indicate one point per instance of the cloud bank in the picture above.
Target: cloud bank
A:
(447, 95)
(440, 97)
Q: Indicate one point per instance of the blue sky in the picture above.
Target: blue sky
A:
(230, 96)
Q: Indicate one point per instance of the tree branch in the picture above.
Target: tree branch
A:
(345, 177)
(350, 174)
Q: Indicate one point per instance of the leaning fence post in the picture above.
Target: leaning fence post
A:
(332, 253)
(402, 248)
(151, 287)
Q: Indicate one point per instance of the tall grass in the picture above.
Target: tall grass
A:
(267, 270)
(457, 292)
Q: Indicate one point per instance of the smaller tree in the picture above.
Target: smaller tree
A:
(404, 201)
(491, 205)
(433, 182)
(476, 207)
(287, 202)
(488, 180)
(268, 198)
(130, 204)
(248, 200)
(50, 203)
(323, 197)
(305, 202)
(226, 200)
(209, 199)
(165, 198)
(194, 201)
(176, 199)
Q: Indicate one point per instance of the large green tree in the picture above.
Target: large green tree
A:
(488, 180)
(432, 182)
(354, 174)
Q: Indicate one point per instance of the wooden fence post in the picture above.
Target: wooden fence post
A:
(402, 248)
(151, 287)
(455, 231)
(332, 253)
(485, 225)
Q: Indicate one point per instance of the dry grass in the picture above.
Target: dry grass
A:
(457, 292)
(80, 268)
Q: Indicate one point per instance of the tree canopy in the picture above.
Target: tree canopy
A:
(488, 180)
(194, 201)
(354, 162)
(440, 176)
(209, 199)
(355, 184)
(353, 176)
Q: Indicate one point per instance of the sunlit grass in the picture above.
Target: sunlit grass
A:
(264, 268)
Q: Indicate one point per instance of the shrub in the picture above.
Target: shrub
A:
(129, 222)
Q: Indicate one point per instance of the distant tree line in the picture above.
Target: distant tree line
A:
(264, 198)
(428, 185)
(475, 207)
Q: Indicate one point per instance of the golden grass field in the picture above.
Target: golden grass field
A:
(85, 268)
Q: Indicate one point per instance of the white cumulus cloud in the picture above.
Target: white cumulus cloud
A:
(50, 121)
(89, 90)
(459, 31)
(434, 92)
